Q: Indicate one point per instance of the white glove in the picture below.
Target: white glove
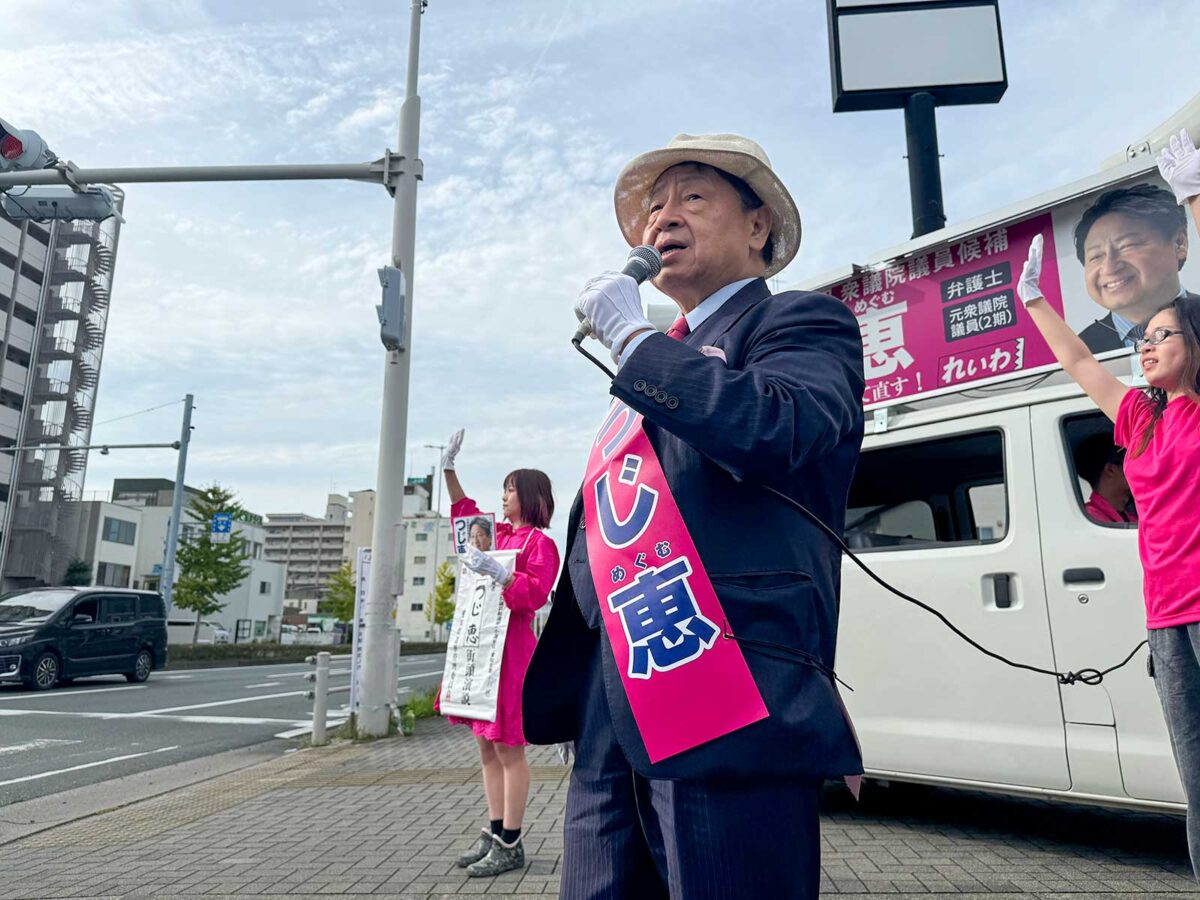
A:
(565, 752)
(1179, 165)
(612, 304)
(478, 561)
(1028, 288)
(452, 448)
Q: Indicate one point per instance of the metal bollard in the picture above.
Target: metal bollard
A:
(319, 695)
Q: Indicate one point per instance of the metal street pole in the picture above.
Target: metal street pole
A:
(167, 584)
(378, 687)
(924, 166)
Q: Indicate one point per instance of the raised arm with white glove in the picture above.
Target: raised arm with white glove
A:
(1179, 165)
(453, 445)
(1028, 288)
(611, 302)
(1071, 352)
(478, 561)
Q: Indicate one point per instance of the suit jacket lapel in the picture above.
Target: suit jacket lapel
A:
(731, 310)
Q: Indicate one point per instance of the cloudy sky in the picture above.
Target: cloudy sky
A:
(259, 299)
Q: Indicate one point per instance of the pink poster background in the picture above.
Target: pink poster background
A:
(950, 316)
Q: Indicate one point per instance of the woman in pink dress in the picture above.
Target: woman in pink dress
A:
(527, 505)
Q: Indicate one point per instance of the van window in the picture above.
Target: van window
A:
(1097, 467)
(118, 609)
(150, 607)
(948, 490)
(88, 606)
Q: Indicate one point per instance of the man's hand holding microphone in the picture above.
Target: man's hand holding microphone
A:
(609, 306)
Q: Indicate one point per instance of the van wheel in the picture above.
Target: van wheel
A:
(45, 673)
(141, 667)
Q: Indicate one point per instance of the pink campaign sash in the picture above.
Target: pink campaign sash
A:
(686, 685)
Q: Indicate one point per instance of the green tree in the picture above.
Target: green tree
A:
(79, 574)
(207, 569)
(440, 608)
(339, 600)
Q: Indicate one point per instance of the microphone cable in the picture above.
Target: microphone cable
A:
(1088, 676)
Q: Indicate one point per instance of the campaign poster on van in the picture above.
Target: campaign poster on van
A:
(475, 650)
(949, 316)
(478, 530)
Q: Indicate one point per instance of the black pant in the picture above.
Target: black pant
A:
(627, 836)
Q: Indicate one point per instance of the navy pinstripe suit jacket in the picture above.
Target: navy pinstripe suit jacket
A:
(786, 410)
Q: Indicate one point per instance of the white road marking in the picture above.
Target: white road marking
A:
(204, 720)
(264, 684)
(37, 744)
(78, 692)
(175, 677)
(171, 709)
(91, 765)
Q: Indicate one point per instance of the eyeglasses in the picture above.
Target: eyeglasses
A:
(1156, 337)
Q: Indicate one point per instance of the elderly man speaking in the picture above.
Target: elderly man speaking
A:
(689, 651)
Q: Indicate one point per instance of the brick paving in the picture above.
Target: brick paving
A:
(387, 818)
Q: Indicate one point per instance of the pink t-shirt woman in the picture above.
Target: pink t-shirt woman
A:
(1160, 430)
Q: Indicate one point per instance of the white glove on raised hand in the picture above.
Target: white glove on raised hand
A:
(1028, 288)
(1179, 165)
(478, 561)
(611, 302)
(452, 447)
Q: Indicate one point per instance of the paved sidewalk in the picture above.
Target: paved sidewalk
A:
(388, 818)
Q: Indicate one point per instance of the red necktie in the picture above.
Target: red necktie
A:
(679, 329)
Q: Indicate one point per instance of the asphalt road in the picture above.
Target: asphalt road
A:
(101, 728)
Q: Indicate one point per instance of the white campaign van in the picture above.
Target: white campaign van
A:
(968, 496)
(976, 509)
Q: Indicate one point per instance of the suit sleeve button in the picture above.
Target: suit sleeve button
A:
(639, 385)
(661, 397)
(672, 403)
(649, 390)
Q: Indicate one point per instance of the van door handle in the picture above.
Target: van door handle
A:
(1083, 576)
(1002, 588)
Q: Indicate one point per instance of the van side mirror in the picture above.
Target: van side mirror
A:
(81, 619)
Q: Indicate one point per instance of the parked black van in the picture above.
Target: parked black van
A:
(49, 636)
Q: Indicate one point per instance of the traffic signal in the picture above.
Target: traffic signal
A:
(22, 149)
(391, 311)
(45, 202)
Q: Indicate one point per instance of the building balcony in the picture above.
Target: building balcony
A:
(51, 389)
(76, 232)
(58, 348)
(59, 309)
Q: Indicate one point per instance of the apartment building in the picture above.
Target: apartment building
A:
(312, 548)
(55, 289)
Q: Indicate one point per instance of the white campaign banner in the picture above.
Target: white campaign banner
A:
(363, 574)
(471, 680)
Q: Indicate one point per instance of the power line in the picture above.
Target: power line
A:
(138, 413)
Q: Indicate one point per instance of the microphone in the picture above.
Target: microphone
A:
(643, 263)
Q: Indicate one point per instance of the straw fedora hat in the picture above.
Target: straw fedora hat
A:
(730, 153)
